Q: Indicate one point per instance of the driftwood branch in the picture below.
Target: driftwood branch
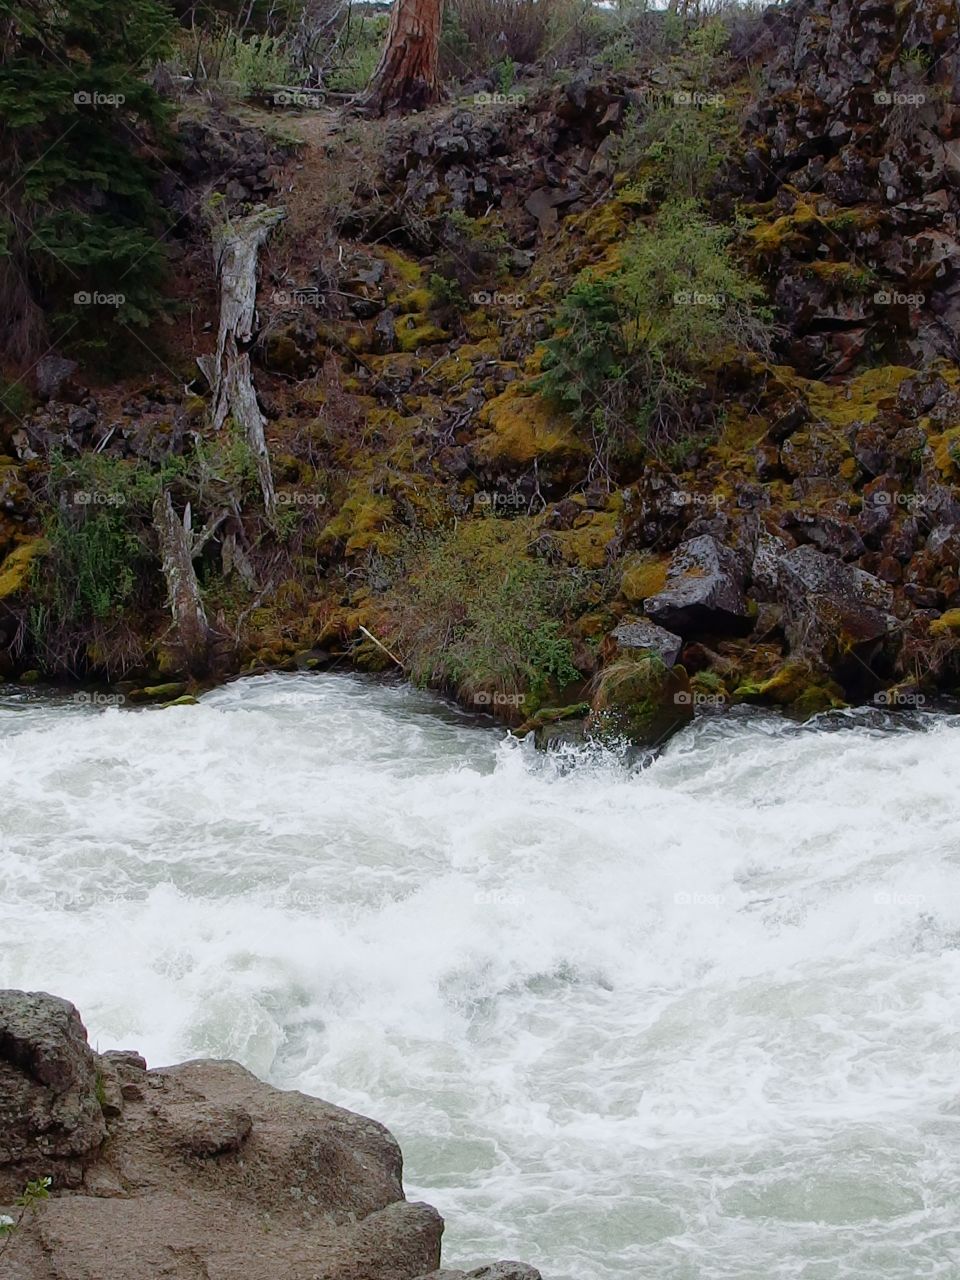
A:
(236, 248)
(183, 589)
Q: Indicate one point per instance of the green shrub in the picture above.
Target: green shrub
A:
(631, 347)
(476, 612)
(253, 62)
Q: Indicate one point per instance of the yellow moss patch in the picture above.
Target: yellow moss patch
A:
(459, 364)
(946, 451)
(856, 401)
(417, 301)
(416, 332)
(741, 431)
(587, 546)
(643, 576)
(525, 427)
(479, 324)
(361, 523)
(15, 569)
(403, 268)
(947, 624)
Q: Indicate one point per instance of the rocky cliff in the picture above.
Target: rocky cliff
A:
(794, 541)
(198, 1170)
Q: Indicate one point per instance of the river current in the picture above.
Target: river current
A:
(698, 1020)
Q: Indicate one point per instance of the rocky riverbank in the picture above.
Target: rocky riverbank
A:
(790, 538)
(197, 1170)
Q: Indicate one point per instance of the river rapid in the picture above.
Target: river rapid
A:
(689, 1021)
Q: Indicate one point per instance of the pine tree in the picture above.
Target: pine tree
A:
(80, 230)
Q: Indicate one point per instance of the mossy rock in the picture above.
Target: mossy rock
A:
(417, 331)
(165, 693)
(15, 569)
(948, 624)
(643, 576)
(641, 700)
(402, 267)
(796, 687)
(525, 427)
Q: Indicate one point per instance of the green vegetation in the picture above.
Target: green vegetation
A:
(477, 614)
(632, 346)
(79, 236)
(34, 1192)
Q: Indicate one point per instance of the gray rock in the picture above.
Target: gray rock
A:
(49, 1111)
(647, 635)
(51, 373)
(830, 607)
(704, 590)
(203, 1163)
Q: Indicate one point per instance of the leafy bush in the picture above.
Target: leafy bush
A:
(632, 346)
(475, 612)
(251, 63)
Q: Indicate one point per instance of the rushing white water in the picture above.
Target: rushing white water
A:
(700, 1020)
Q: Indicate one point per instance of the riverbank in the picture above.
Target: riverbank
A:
(447, 475)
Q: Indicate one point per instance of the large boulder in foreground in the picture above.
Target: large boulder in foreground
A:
(704, 591)
(50, 1119)
(199, 1170)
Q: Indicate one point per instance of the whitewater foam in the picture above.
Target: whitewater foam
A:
(698, 1019)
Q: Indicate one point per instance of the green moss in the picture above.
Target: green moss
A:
(643, 576)
(402, 267)
(417, 331)
(525, 427)
(15, 569)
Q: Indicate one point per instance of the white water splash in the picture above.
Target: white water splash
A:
(694, 1022)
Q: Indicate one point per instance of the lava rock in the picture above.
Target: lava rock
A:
(704, 590)
(647, 636)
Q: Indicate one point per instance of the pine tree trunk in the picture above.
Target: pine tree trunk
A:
(407, 76)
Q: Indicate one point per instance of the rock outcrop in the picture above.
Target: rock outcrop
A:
(198, 1170)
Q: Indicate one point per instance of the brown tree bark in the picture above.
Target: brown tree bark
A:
(406, 76)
